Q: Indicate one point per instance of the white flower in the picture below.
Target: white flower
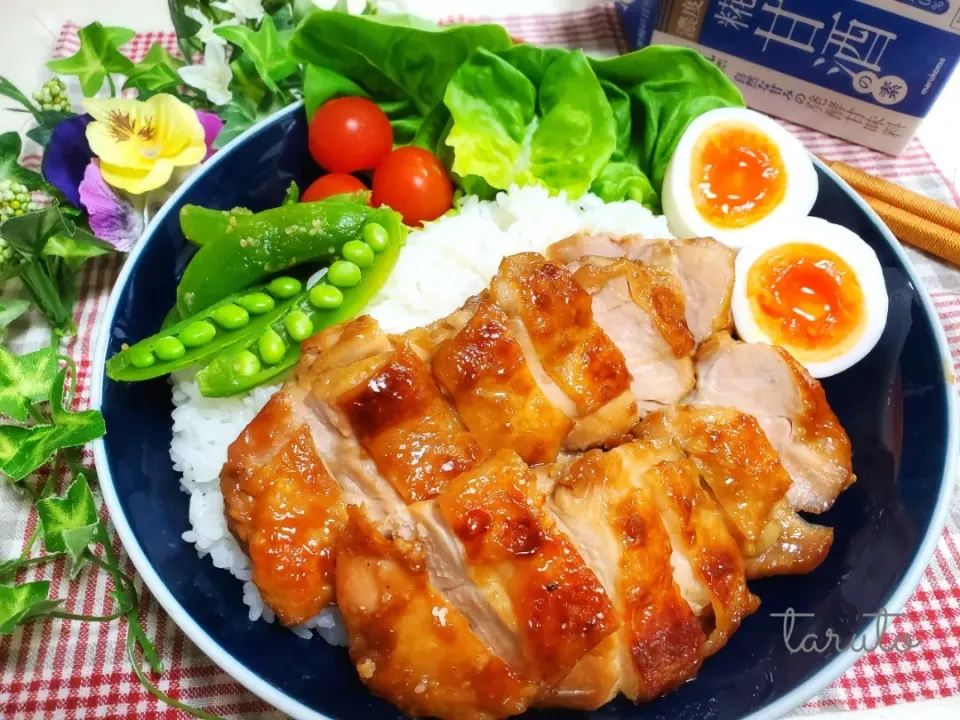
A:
(354, 7)
(243, 9)
(213, 76)
(206, 33)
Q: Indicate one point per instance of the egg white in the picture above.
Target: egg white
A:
(851, 249)
(678, 202)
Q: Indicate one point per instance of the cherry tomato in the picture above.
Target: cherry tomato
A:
(413, 182)
(332, 184)
(349, 134)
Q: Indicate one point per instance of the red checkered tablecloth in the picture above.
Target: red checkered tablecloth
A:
(67, 670)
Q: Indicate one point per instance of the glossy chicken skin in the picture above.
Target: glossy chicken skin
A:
(791, 407)
(527, 569)
(557, 315)
(406, 425)
(736, 461)
(282, 503)
(484, 371)
(473, 586)
(408, 643)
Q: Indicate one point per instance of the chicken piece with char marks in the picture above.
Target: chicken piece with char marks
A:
(766, 382)
(472, 586)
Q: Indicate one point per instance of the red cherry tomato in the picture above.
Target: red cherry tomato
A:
(413, 182)
(332, 184)
(349, 134)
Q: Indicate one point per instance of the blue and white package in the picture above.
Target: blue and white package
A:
(864, 70)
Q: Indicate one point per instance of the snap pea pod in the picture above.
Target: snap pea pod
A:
(231, 321)
(256, 246)
(259, 360)
(201, 225)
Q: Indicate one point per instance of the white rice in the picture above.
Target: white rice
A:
(441, 266)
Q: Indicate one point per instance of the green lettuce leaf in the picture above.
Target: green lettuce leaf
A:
(25, 379)
(625, 181)
(559, 134)
(24, 602)
(402, 63)
(24, 449)
(99, 56)
(668, 87)
(69, 523)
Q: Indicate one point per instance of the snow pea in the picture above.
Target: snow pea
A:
(202, 225)
(233, 370)
(199, 337)
(256, 246)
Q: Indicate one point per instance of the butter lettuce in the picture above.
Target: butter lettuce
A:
(555, 128)
(401, 62)
(496, 113)
(668, 88)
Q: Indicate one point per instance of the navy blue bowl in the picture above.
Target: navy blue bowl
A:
(897, 405)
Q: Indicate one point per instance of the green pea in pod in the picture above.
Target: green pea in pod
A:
(253, 247)
(205, 334)
(233, 371)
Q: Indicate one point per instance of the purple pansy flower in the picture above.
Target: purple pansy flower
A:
(212, 125)
(67, 156)
(112, 218)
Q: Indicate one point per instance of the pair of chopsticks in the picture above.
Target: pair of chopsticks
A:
(915, 219)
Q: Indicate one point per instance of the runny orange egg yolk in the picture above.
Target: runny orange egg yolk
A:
(806, 298)
(737, 175)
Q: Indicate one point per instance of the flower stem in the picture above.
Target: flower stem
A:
(113, 88)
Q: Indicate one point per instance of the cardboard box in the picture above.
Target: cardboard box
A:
(865, 70)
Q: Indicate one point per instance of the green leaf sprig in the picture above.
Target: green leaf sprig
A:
(38, 396)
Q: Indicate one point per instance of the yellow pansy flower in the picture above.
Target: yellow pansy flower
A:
(139, 143)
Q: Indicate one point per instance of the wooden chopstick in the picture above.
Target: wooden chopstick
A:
(914, 218)
(918, 231)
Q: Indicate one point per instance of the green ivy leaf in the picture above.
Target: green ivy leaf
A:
(24, 602)
(237, 115)
(98, 56)
(69, 522)
(8, 89)
(25, 379)
(77, 249)
(47, 120)
(24, 449)
(156, 73)
(266, 47)
(10, 168)
(28, 234)
(10, 310)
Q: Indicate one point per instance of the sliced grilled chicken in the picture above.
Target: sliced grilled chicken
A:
(283, 505)
(703, 266)
(403, 421)
(556, 322)
(641, 311)
(484, 370)
(410, 646)
(525, 568)
(791, 407)
(741, 471)
(617, 527)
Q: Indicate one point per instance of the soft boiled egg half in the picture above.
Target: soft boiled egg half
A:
(815, 289)
(735, 175)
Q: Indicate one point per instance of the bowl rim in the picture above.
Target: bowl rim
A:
(807, 689)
